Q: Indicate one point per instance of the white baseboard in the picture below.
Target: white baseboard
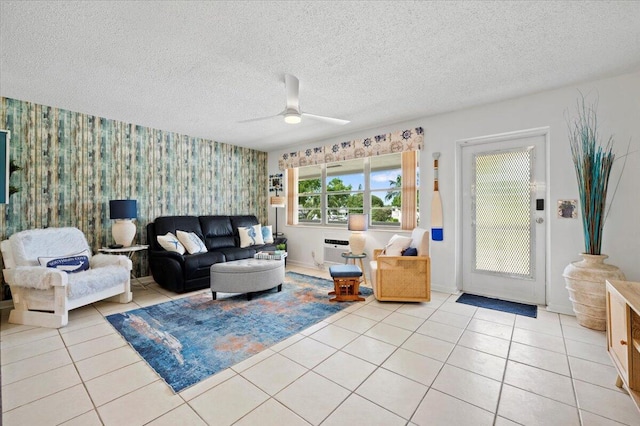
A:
(561, 309)
(444, 289)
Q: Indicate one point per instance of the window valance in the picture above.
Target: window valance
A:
(389, 143)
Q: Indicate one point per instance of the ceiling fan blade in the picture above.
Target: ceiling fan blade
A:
(259, 118)
(293, 92)
(327, 119)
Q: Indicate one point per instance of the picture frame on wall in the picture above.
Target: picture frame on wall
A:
(5, 170)
(567, 209)
(275, 182)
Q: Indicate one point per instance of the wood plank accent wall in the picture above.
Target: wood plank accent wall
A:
(74, 163)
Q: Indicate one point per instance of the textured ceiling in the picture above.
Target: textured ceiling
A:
(200, 67)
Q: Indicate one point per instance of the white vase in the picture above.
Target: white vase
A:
(586, 280)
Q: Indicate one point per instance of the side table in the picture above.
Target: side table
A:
(129, 252)
(353, 257)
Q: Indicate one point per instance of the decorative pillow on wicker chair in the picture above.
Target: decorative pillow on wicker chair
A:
(169, 242)
(250, 236)
(70, 263)
(396, 245)
(191, 242)
(411, 251)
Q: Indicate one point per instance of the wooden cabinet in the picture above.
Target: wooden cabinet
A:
(623, 334)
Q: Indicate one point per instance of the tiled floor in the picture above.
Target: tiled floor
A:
(371, 364)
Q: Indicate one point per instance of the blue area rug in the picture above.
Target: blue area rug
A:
(499, 305)
(190, 339)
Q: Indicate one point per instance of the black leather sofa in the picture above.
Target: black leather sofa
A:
(188, 272)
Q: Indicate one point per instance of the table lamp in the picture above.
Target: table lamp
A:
(357, 224)
(123, 211)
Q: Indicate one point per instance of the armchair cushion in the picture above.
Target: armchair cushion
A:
(396, 245)
(420, 241)
(70, 264)
(411, 251)
(95, 280)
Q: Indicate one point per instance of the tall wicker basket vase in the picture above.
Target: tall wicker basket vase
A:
(585, 281)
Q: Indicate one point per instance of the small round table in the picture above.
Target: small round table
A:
(353, 258)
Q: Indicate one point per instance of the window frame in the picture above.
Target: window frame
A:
(293, 196)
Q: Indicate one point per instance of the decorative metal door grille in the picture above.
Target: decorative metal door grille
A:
(502, 219)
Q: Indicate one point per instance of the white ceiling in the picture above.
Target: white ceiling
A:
(198, 68)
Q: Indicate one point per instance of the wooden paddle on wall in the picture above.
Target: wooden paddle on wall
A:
(436, 204)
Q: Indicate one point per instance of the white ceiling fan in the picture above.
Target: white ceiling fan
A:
(292, 113)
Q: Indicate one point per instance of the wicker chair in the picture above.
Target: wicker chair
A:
(403, 278)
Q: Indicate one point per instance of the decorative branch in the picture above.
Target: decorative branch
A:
(593, 162)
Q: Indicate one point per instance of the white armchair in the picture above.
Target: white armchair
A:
(43, 296)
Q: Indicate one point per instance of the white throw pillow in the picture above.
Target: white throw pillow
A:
(267, 234)
(191, 242)
(169, 242)
(396, 245)
(250, 236)
(69, 263)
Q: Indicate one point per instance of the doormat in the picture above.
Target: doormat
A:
(190, 339)
(499, 305)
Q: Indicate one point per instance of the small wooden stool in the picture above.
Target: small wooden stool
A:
(346, 283)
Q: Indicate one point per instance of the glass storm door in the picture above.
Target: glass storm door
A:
(503, 232)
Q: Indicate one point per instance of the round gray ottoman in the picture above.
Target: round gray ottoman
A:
(246, 276)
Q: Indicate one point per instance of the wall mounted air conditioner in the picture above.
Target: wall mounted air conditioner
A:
(333, 248)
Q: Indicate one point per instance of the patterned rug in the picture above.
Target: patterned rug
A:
(190, 339)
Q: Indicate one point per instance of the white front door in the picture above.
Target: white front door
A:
(503, 221)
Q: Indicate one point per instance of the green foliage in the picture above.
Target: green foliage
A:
(395, 196)
(342, 201)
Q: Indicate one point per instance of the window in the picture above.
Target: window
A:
(328, 193)
(386, 190)
(345, 190)
(310, 194)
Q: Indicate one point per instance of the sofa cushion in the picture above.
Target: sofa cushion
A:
(197, 265)
(267, 234)
(217, 231)
(236, 253)
(191, 242)
(250, 236)
(170, 242)
(172, 224)
(244, 221)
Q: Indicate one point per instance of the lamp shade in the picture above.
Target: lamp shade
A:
(277, 201)
(358, 222)
(123, 209)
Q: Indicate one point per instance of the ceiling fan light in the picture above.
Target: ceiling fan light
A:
(292, 118)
